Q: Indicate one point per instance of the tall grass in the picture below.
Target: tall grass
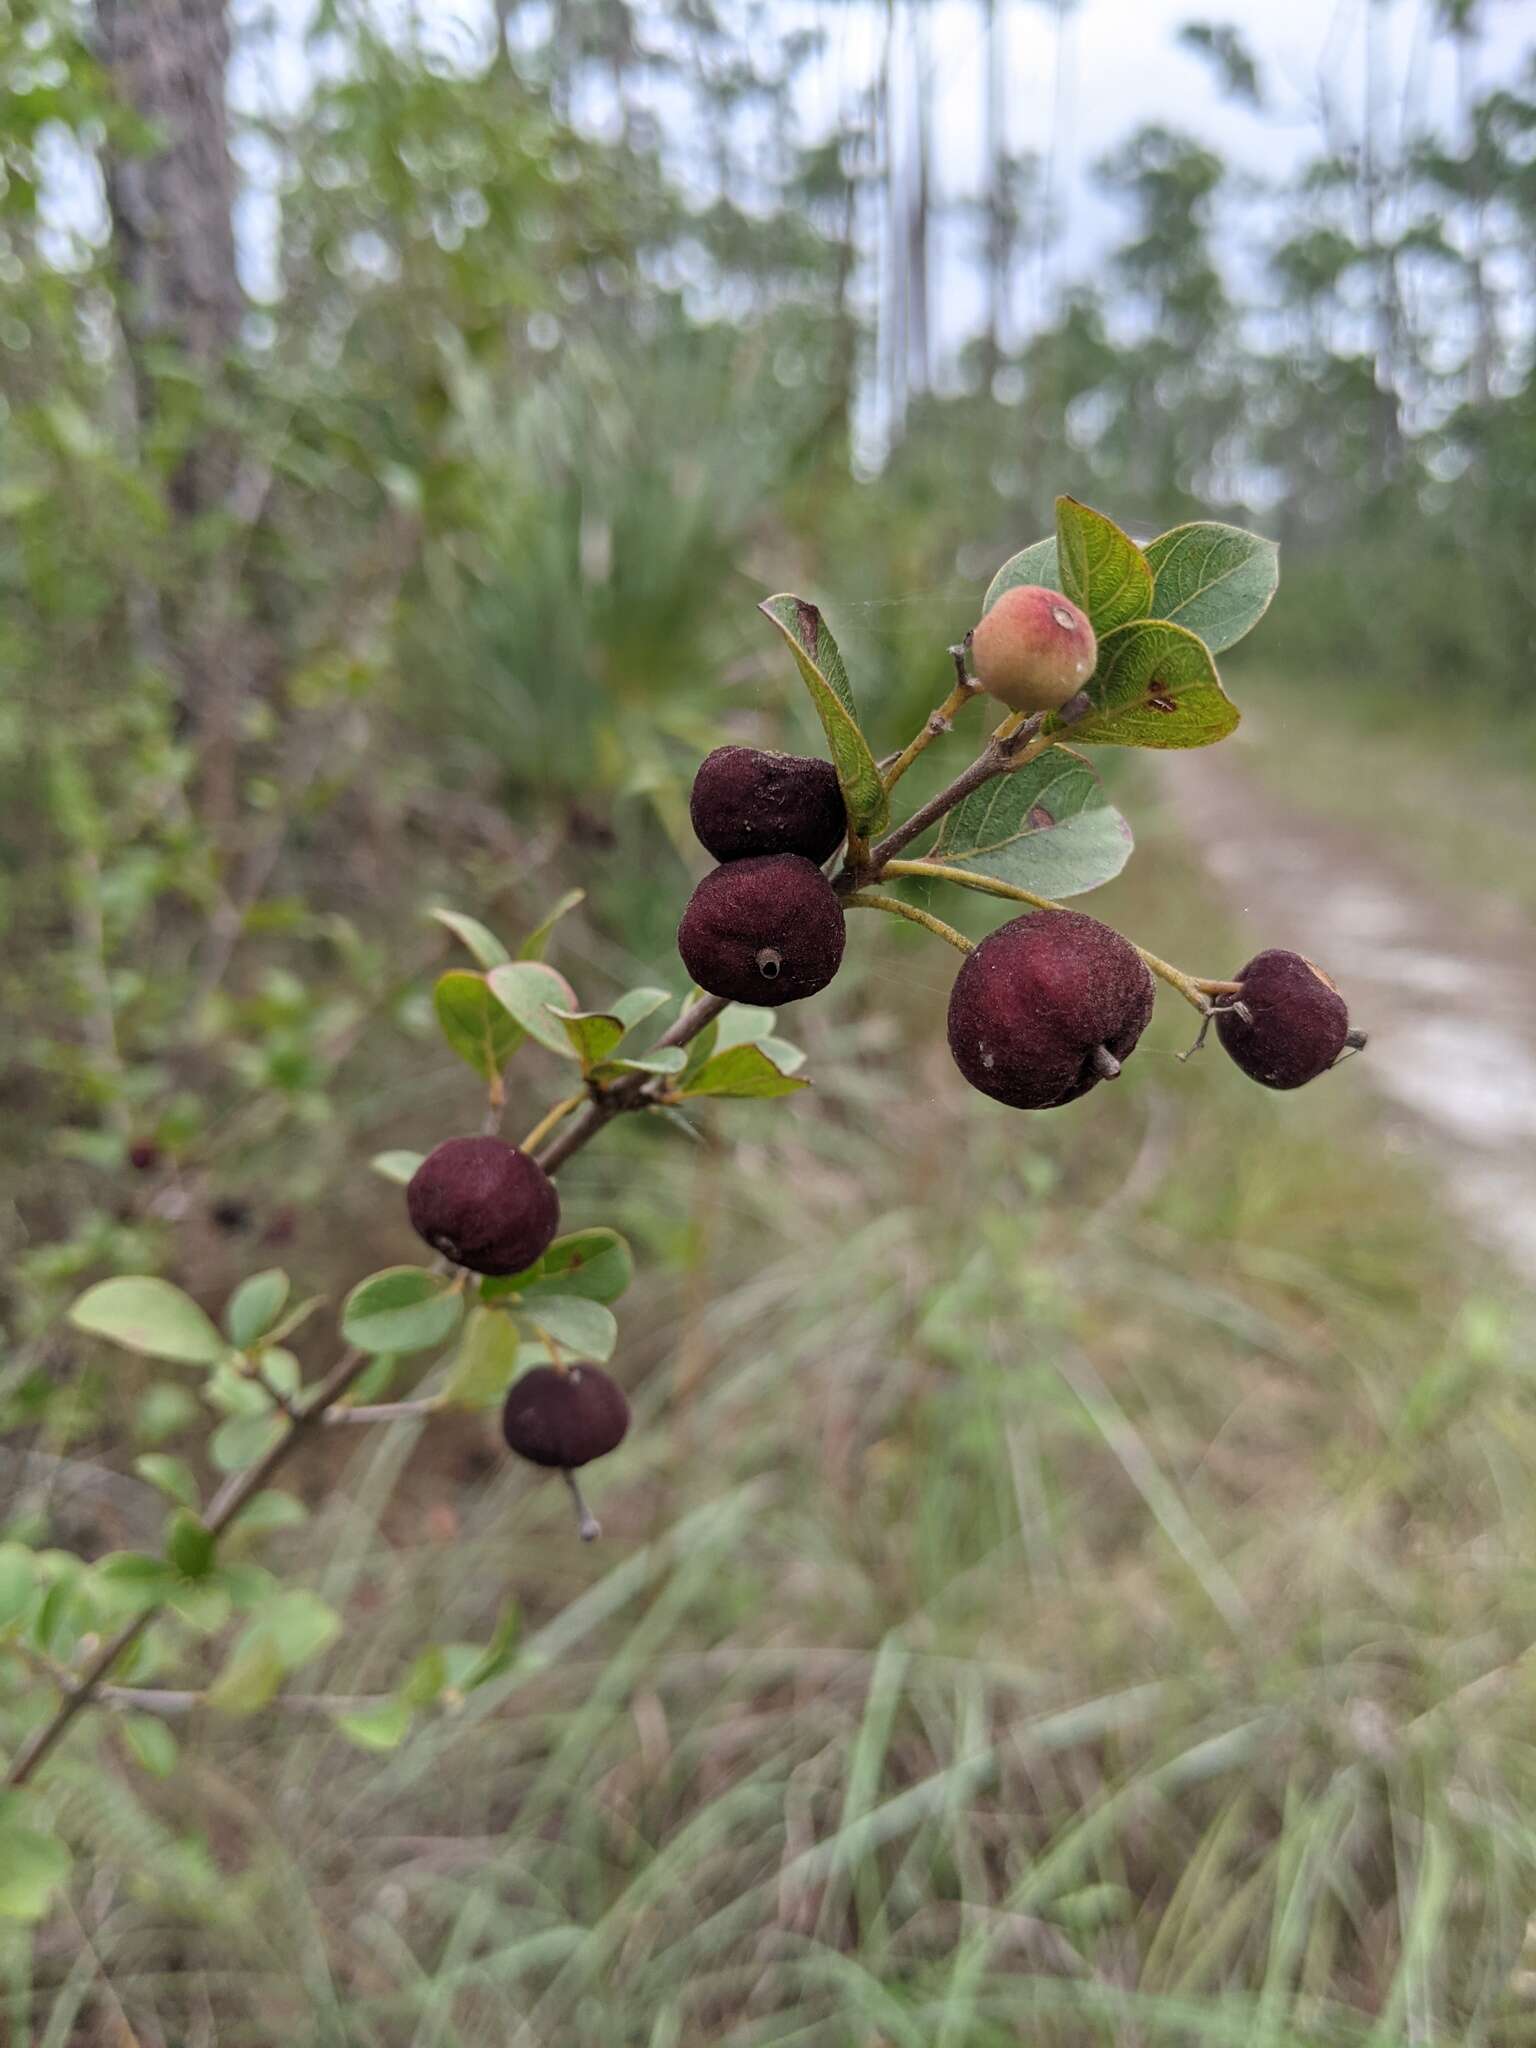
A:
(1068, 1583)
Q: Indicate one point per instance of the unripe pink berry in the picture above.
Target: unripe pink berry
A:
(1034, 650)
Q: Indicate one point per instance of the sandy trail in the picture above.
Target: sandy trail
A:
(1444, 982)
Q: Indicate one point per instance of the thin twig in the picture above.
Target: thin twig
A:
(937, 722)
(871, 899)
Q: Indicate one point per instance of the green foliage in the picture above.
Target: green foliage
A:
(1048, 827)
(474, 1025)
(151, 1317)
(1155, 686)
(1215, 580)
(821, 670)
(1102, 570)
(403, 1309)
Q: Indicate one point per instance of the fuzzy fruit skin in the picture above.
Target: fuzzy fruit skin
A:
(1034, 650)
(1300, 1021)
(747, 802)
(768, 930)
(484, 1204)
(564, 1419)
(1036, 998)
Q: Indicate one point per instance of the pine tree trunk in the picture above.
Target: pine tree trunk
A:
(174, 248)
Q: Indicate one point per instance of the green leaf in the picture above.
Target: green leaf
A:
(163, 1411)
(1047, 827)
(188, 1545)
(526, 990)
(151, 1317)
(32, 1868)
(270, 1510)
(1155, 686)
(636, 1004)
(1102, 569)
(1215, 580)
(786, 1057)
(250, 1678)
(593, 1033)
(255, 1306)
(1037, 563)
(483, 944)
(533, 946)
(485, 1362)
(404, 1308)
(426, 1678)
(821, 670)
(382, 1727)
(173, 1476)
(701, 1048)
(474, 1025)
(500, 1653)
(242, 1439)
(666, 1059)
(596, 1264)
(585, 1329)
(400, 1167)
(742, 1070)
(150, 1743)
(743, 1024)
(296, 1625)
(18, 1581)
(131, 1582)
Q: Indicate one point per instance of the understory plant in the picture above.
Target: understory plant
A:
(1085, 639)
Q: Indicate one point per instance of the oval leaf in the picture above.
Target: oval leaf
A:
(474, 1025)
(743, 1070)
(400, 1167)
(255, 1306)
(526, 990)
(533, 946)
(151, 1317)
(1155, 686)
(404, 1308)
(581, 1328)
(484, 1363)
(1047, 827)
(483, 944)
(32, 1867)
(821, 670)
(596, 1264)
(1102, 569)
(1215, 580)
(593, 1033)
(1038, 563)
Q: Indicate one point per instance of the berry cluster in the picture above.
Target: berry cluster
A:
(489, 1207)
(1044, 1008)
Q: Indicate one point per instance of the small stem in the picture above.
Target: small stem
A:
(1190, 987)
(1017, 747)
(937, 722)
(588, 1526)
(548, 1121)
(870, 899)
(633, 1091)
(385, 1411)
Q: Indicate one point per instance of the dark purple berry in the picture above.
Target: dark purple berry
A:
(763, 931)
(566, 1417)
(1296, 1026)
(747, 802)
(1046, 1008)
(484, 1204)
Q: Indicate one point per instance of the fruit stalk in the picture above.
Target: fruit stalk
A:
(871, 899)
(937, 723)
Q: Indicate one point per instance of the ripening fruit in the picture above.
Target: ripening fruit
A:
(747, 802)
(1034, 650)
(1046, 1008)
(1297, 1022)
(564, 1418)
(768, 930)
(484, 1204)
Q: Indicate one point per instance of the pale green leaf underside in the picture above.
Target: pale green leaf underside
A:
(1038, 563)
(1048, 828)
(1215, 580)
(1155, 686)
(821, 670)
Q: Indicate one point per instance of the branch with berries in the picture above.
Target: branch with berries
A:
(1085, 639)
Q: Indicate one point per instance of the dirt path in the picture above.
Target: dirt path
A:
(1444, 983)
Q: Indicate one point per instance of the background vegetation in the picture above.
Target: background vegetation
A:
(1070, 1580)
